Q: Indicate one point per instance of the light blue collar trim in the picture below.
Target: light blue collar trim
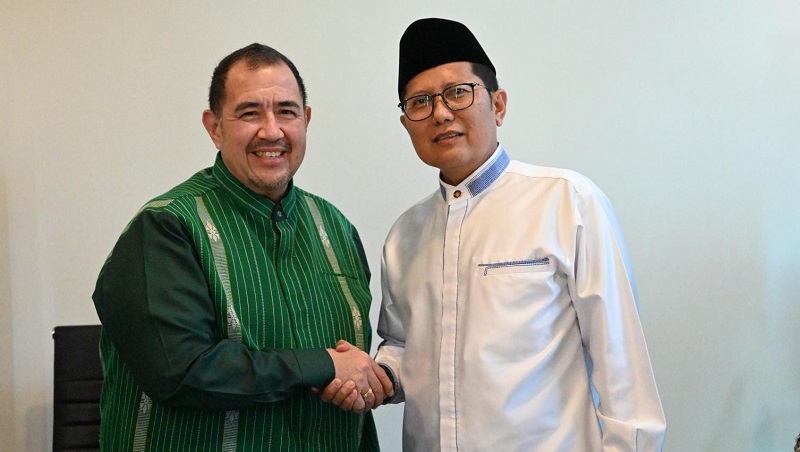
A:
(491, 173)
(484, 176)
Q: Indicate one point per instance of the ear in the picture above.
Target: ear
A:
(403, 122)
(308, 115)
(212, 124)
(500, 101)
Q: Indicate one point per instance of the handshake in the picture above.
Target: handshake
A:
(360, 383)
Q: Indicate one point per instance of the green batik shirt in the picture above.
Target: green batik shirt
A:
(217, 306)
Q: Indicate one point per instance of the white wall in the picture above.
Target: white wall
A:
(686, 113)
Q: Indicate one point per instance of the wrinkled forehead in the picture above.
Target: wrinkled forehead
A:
(260, 82)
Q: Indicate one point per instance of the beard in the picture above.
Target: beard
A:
(269, 186)
(276, 182)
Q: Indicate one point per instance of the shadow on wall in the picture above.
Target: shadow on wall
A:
(7, 420)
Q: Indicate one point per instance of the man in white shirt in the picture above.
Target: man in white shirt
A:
(508, 296)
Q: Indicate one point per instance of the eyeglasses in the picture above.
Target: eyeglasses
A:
(456, 97)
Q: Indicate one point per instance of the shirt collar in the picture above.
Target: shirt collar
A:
(251, 201)
(481, 179)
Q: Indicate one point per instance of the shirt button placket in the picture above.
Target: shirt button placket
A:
(448, 408)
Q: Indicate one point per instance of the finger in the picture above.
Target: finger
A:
(376, 386)
(346, 391)
(383, 392)
(358, 405)
(377, 400)
(386, 381)
(330, 391)
(369, 399)
(351, 401)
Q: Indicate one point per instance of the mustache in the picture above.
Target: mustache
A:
(257, 145)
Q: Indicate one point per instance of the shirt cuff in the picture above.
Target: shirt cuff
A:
(316, 366)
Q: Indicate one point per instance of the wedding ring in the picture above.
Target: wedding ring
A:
(367, 394)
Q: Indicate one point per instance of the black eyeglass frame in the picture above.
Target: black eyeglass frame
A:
(472, 85)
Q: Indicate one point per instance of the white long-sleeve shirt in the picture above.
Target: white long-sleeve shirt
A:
(506, 299)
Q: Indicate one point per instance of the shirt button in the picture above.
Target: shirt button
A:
(457, 194)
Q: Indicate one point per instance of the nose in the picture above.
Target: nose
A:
(441, 113)
(270, 129)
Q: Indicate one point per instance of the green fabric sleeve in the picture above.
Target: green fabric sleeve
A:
(153, 300)
(362, 256)
(316, 366)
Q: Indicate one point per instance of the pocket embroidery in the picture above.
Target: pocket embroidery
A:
(543, 262)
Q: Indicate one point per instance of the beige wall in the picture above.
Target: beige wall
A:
(684, 112)
(6, 326)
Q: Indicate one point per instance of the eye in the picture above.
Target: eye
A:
(459, 91)
(419, 102)
(288, 109)
(288, 113)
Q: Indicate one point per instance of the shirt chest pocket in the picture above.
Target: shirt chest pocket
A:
(521, 266)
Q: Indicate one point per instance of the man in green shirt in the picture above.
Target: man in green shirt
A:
(224, 299)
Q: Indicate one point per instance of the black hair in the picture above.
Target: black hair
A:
(486, 75)
(255, 55)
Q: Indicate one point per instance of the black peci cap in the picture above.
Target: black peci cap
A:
(431, 42)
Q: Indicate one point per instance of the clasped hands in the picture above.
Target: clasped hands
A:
(360, 383)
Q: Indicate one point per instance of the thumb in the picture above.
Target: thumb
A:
(343, 346)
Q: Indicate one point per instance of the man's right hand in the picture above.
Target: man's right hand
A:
(360, 383)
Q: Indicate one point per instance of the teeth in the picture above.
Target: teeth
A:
(269, 154)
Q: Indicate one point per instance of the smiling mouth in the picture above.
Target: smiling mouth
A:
(269, 154)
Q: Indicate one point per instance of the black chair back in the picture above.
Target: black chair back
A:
(78, 380)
